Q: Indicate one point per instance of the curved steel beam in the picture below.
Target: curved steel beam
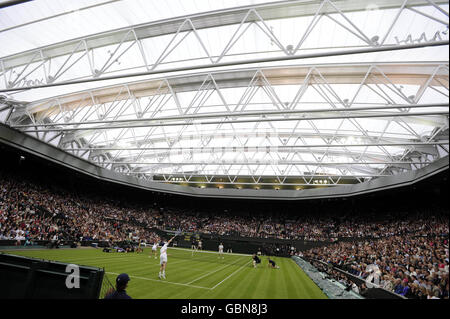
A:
(357, 73)
(236, 63)
(329, 134)
(233, 16)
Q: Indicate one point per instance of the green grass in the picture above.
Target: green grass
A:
(202, 276)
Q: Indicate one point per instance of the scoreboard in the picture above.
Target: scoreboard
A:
(189, 236)
(184, 236)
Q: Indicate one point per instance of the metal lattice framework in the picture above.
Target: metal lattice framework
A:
(124, 127)
(322, 123)
(175, 42)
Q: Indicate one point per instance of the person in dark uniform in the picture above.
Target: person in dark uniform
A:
(121, 284)
(272, 264)
(193, 245)
(256, 260)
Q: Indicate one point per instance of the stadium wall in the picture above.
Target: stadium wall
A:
(373, 291)
(247, 245)
(330, 287)
(31, 278)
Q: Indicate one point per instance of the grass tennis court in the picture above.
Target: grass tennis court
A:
(202, 276)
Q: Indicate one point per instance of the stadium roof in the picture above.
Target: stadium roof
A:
(232, 94)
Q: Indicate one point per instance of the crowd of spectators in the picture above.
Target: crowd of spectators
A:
(31, 212)
(410, 265)
(331, 273)
(308, 227)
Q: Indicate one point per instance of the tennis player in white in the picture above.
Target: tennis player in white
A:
(221, 250)
(154, 248)
(163, 258)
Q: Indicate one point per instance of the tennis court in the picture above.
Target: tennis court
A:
(192, 276)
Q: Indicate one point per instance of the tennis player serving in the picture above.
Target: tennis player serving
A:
(163, 258)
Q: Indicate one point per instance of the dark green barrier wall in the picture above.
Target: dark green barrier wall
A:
(22, 277)
(247, 245)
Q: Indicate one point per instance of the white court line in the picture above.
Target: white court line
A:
(173, 263)
(155, 263)
(231, 275)
(162, 281)
(87, 259)
(211, 272)
(187, 268)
